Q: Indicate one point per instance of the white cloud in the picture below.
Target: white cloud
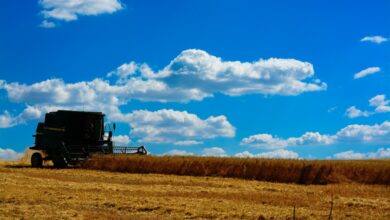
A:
(121, 140)
(96, 95)
(6, 120)
(355, 133)
(349, 155)
(380, 153)
(214, 152)
(196, 69)
(310, 138)
(374, 39)
(47, 24)
(280, 153)
(244, 154)
(353, 112)
(267, 141)
(124, 71)
(29, 113)
(176, 152)
(380, 103)
(9, 154)
(169, 126)
(187, 143)
(365, 72)
(193, 75)
(377, 133)
(70, 10)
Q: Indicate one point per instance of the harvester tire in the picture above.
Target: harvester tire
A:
(36, 160)
(59, 162)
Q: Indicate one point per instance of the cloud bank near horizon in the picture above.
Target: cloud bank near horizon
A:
(354, 133)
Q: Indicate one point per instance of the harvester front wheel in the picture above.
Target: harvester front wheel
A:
(36, 160)
(59, 162)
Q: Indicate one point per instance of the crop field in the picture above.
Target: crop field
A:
(272, 170)
(76, 193)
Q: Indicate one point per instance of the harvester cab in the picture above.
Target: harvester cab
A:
(68, 137)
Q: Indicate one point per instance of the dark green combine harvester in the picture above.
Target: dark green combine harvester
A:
(68, 137)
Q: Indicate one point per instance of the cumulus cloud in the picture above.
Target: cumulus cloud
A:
(353, 112)
(366, 72)
(121, 140)
(280, 153)
(193, 75)
(380, 153)
(377, 133)
(219, 152)
(70, 10)
(214, 152)
(176, 152)
(380, 103)
(267, 141)
(56, 91)
(187, 143)
(169, 126)
(244, 154)
(196, 69)
(355, 133)
(9, 154)
(29, 113)
(348, 155)
(311, 138)
(6, 120)
(124, 71)
(374, 39)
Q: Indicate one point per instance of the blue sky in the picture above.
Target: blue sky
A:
(304, 79)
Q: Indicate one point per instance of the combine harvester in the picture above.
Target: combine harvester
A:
(69, 137)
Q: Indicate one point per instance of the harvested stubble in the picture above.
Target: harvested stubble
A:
(273, 170)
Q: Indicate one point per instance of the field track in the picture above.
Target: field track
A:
(49, 193)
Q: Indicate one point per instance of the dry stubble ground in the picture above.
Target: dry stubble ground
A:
(85, 194)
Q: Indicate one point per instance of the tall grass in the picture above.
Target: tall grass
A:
(273, 170)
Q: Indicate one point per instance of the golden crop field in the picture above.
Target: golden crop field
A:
(74, 193)
(272, 170)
